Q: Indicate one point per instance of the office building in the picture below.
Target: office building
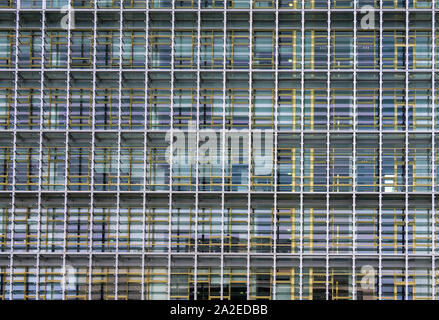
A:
(208, 149)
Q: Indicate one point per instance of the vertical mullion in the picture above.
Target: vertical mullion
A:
(249, 152)
(380, 157)
(116, 271)
(66, 163)
(354, 161)
(406, 213)
(274, 152)
(328, 90)
(40, 192)
(197, 127)
(145, 150)
(40, 150)
(91, 213)
(433, 146)
(170, 155)
(224, 144)
(14, 150)
(302, 162)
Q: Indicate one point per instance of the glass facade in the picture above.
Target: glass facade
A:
(99, 201)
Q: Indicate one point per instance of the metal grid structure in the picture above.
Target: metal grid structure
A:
(87, 192)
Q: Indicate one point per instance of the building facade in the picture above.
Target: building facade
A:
(208, 149)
